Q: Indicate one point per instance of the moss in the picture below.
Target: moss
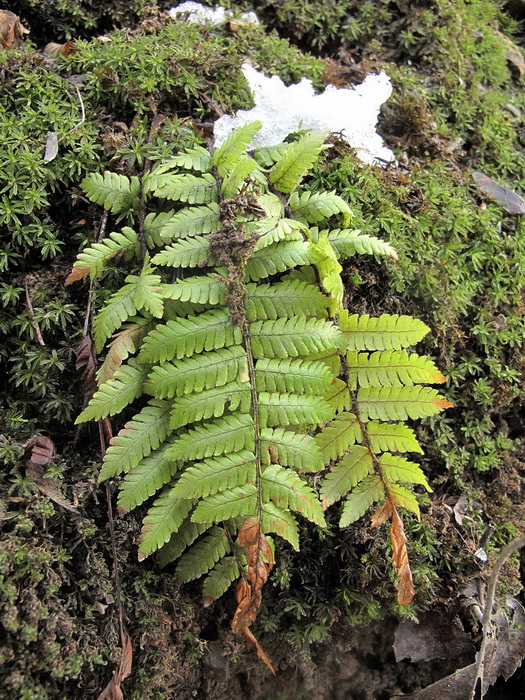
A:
(61, 20)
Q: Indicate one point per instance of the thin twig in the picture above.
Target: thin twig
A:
(32, 314)
(83, 115)
(91, 291)
(505, 553)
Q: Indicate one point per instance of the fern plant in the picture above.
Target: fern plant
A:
(249, 372)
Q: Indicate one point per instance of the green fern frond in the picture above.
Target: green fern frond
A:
(212, 403)
(272, 205)
(369, 491)
(292, 409)
(220, 578)
(232, 503)
(218, 474)
(125, 343)
(201, 557)
(279, 446)
(338, 396)
(188, 252)
(313, 207)
(191, 221)
(147, 477)
(400, 403)
(274, 229)
(403, 498)
(112, 191)
(228, 155)
(391, 368)
(277, 257)
(140, 292)
(142, 434)
(173, 309)
(347, 243)
(299, 376)
(194, 374)
(392, 437)
(284, 299)
(189, 188)
(196, 158)
(268, 155)
(296, 160)
(394, 468)
(288, 490)
(116, 393)
(206, 290)
(148, 292)
(338, 436)
(186, 535)
(153, 225)
(330, 358)
(222, 436)
(233, 183)
(186, 336)
(92, 260)
(293, 337)
(119, 308)
(280, 522)
(386, 332)
(350, 471)
(329, 270)
(164, 517)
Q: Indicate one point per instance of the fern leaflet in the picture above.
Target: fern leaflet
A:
(201, 557)
(142, 434)
(218, 474)
(183, 338)
(117, 393)
(295, 161)
(191, 221)
(114, 192)
(164, 517)
(92, 260)
(386, 332)
(313, 207)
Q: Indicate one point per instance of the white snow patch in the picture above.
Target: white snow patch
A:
(352, 112)
(195, 12)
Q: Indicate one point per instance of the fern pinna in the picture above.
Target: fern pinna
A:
(249, 372)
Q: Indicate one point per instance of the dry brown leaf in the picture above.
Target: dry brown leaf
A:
(42, 453)
(113, 690)
(434, 636)
(54, 50)
(382, 514)
(259, 558)
(460, 509)
(405, 585)
(11, 30)
(512, 202)
(503, 654)
(77, 273)
(86, 363)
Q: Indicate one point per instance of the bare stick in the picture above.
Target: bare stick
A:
(101, 230)
(83, 115)
(32, 314)
(505, 553)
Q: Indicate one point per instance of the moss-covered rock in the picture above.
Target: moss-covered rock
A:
(138, 95)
